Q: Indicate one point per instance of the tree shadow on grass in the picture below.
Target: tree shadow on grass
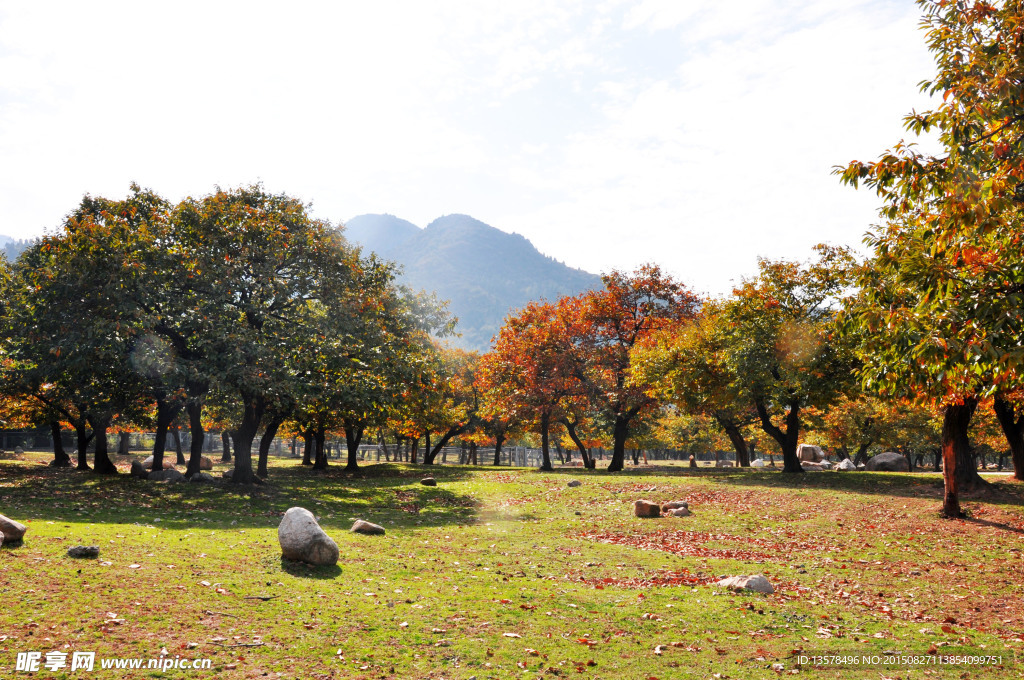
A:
(390, 491)
(303, 570)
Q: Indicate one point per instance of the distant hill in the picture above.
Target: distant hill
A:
(484, 272)
(12, 248)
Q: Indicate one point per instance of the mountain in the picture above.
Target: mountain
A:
(483, 272)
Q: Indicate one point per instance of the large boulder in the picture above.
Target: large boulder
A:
(84, 551)
(756, 582)
(428, 481)
(302, 539)
(166, 475)
(139, 470)
(811, 467)
(148, 463)
(202, 478)
(674, 505)
(205, 463)
(889, 461)
(363, 527)
(758, 463)
(678, 512)
(810, 453)
(646, 509)
(844, 465)
(12, 531)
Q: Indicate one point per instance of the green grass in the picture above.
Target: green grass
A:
(507, 573)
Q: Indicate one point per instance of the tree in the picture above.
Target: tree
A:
(604, 326)
(782, 344)
(945, 286)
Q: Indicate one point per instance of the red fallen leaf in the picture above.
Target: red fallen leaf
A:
(591, 662)
(529, 607)
(948, 629)
(933, 649)
(532, 652)
(949, 619)
(505, 601)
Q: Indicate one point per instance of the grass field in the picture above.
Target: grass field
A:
(501, 572)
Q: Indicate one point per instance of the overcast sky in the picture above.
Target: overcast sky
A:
(696, 135)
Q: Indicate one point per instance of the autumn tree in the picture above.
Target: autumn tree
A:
(945, 286)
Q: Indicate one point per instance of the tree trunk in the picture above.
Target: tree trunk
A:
(60, 456)
(619, 436)
(545, 427)
(195, 424)
(787, 440)
(252, 414)
(353, 435)
(225, 438)
(862, 454)
(82, 436)
(430, 454)
(176, 436)
(498, 441)
(739, 444)
(265, 441)
(165, 413)
(1013, 428)
(956, 449)
(307, 446)
(414, 447)
(124, 444)
(320, 459)
(101, 460)
(570, 427)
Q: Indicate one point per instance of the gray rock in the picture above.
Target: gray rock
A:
(845, 465)
(724, 463)
(575, 483)
(228, 475)
(139, 470)
(202, 478)
(810, 453)
(888, 462)
(84, 551)
(646, 509)
(12, 531)
(18, 450)
(428, 481)
(758, 463)
(756, 582)
(166, 475)
(364, 527)
(302, 539)
(679, 512)
(674, 505)
(148, 463)
(811, 467)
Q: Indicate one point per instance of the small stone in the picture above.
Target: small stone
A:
(673, 505)
(574, 483)
(12, 531)
(755, 582)
(646, 509)
(679, 512)
(84, 551)
(364, 527)
(428, 481)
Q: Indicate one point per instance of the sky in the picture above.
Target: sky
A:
(699, 136)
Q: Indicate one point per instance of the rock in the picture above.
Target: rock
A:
(845, 464)
(1, 540)
(202, 478)
(364, 527)
(679, 512)
(205, 463)
(810, 453)
(139, 470)
(758, 463)
(12, 531)
(646, 509)
(428, 481)
(166, 475)
(673, 505)
(888, 462)
(755, 582)
(302, 539)
(724, 463)
(148, 463)
(811, 467)
(825, 465)
(228, 475)
(18, 450)
(575, 482)
(84, 551)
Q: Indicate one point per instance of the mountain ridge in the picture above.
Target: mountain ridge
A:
(484, 272)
